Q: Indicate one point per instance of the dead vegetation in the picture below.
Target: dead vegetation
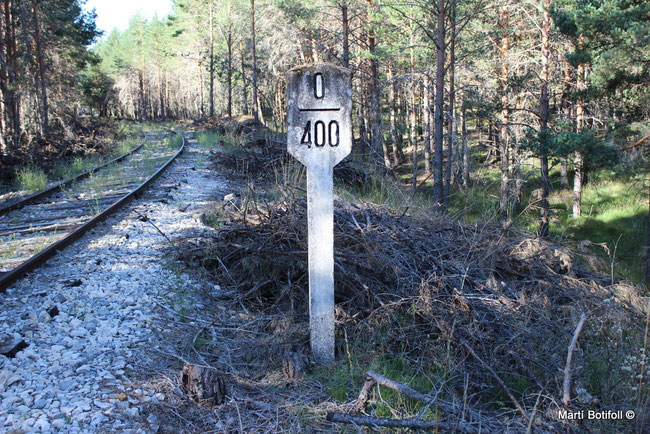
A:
(474, 322)
(81, 136)
(270, 163)
(237, 125)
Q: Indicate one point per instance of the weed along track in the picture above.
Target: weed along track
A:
(21, 201)
(35, 228)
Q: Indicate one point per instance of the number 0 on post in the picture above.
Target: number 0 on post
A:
(319, 104)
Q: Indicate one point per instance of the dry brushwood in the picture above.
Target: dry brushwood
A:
(412, 285)
(203, 384)
(490, 370)
(267, 161)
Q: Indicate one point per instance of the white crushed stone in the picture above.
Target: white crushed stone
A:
(78, 363)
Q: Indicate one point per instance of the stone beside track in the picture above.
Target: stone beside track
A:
(86, 368)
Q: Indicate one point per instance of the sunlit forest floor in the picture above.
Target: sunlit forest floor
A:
(614, 209)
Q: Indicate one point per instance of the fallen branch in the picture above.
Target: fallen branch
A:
(373, 378)
(406, 390)
(566, 386)
(496, 377)
(251, 291)
(146, 219)
(364, 395)
(402, 423)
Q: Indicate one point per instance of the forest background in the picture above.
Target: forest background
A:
(533, 113)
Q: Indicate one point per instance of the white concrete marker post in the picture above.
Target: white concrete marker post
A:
(319, 102)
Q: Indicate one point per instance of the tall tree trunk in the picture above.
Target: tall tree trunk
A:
(157, 98)
(211, 60)
(566, 109)
(504, 136)
(142, 103)
(411, 116)
(3, 125)
(543, 119)
(243, 76)
(451, 114)
(564, 173)
(4, 137)
(414, 138)
(229, 76)
(260, 112)
(254, 65)
(577, 184)
(466, 149)
(400, 121)
(8, 80)
(279, 112)
(392, 101)
(438, 192)
(169, 112)
(378, 146)
(38, 42)
(363, 132)
(426, 114)
(515, 150)
(647, 244)
(346, 34)
(580, 120)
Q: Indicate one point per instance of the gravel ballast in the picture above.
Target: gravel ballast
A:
(93, 315)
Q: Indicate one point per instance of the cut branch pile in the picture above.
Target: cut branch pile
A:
(501, 307)
(268, 161)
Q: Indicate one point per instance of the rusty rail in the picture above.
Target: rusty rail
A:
(9, 277)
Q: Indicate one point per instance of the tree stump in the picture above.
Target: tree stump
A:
(203, 384)
(294, 365)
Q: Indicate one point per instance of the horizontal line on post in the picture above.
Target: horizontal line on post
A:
(320, 109)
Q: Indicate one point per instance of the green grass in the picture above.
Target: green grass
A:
(31, 179)
(126, 145)
(380, 348)
(614, 211)
(213, 219)
(68, 168)
(129, 136)
(207, 139)
(344, 378)
(172, 142)
(383, 190)
(212, 140)
(131, 129)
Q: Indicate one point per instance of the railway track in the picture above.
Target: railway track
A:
(33, 229)
(16, 203)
